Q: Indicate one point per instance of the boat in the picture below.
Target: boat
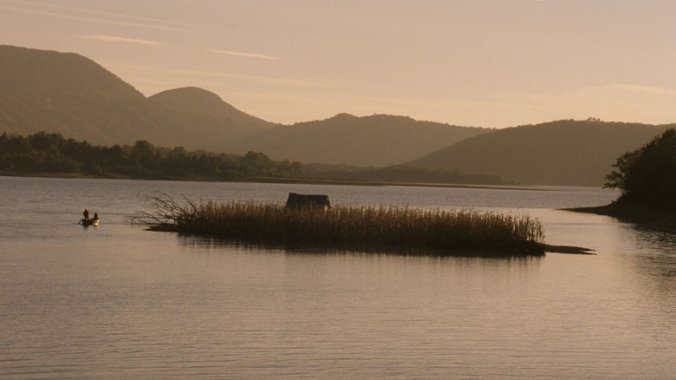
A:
(89, 222)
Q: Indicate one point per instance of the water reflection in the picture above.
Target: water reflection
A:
(212, 245)
(655, 239)
(653, 252)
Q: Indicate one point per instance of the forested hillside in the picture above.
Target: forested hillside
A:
(565, 152)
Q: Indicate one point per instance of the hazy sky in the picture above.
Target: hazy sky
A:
(492, 63)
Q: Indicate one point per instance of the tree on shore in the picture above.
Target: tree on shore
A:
(647, 176)
(46, 153)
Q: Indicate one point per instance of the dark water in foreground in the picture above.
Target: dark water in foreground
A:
(120, 302)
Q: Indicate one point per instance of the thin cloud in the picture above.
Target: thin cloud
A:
(100, 13)
(641, 88)
(300, 82)
(107, 38)
(245, 54)
(90, 19)
(256, 78)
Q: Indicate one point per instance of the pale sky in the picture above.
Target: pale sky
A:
(490, 63)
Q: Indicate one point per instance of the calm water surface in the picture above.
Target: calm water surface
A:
(120, 302)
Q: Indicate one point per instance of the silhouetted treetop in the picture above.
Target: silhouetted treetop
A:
(648, 175)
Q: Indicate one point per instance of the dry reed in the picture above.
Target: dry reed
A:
(440, 231)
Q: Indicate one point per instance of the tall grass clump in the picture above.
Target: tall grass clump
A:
(433, 230)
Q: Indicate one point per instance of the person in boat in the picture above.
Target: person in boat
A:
(85, 214)
(96, 216)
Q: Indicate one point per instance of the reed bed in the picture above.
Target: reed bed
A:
(440, 231)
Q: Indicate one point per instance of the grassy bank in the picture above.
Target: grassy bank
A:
(437, 232)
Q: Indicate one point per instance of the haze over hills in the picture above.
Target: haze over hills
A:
(376, 140)
(562, 152)
(73, 95)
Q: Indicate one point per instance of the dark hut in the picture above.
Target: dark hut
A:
(318, 201)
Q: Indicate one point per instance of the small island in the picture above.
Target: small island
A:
(378, 229)
(647, 179)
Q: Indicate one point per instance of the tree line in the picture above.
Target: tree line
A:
(647, 176)
(45, 153)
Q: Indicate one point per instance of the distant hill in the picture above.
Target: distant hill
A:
(377, 140)
(199, 119)
(72, 95)
(563, 152)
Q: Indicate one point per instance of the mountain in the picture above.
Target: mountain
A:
(565, 152)
(73, 95)
(200, 119)
(376, 140)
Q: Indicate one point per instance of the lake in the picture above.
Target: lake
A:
(118, 301)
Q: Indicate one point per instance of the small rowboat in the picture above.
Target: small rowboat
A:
(89, 222)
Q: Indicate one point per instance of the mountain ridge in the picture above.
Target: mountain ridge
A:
(375, 140)
(64, 92)
(75, 96)
(191, 113)
(563, 152)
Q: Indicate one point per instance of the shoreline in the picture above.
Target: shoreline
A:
(304, 181)
(636, 214)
